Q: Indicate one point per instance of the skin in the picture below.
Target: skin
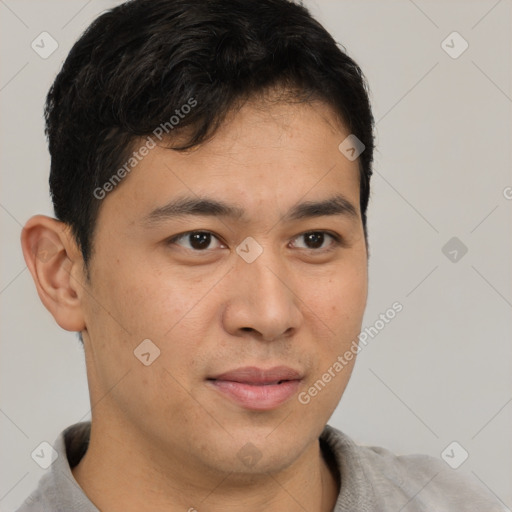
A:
(162, 437)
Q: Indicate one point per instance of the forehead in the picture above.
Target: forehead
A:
(262, 154)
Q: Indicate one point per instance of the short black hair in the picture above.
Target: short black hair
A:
(138, 65)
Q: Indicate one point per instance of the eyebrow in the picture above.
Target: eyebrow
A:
(336, 205)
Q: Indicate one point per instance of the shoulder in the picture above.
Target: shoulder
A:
(40, 500)
(57, 490)
(410, 482)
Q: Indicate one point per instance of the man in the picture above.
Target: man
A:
(210, 175)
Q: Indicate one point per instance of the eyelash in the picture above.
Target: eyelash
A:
(337, 240)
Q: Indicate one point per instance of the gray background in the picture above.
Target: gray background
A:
(441, 371)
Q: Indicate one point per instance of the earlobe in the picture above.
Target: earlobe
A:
(56, 264)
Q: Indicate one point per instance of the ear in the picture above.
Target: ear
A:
(56, 265)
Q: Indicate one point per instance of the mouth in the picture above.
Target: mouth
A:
(256, 388)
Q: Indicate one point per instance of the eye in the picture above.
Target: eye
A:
(315, 240)
(197, 241)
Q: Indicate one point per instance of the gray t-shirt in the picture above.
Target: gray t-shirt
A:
(371, 479)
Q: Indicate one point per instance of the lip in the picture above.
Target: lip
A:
(257, 388)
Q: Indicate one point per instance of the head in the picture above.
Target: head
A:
(221, 118)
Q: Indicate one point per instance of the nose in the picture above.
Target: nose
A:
(261, 300)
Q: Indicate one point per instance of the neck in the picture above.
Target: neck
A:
(118, 477)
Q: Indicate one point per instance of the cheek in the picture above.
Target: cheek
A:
(148, 303)
(340, 299)
(337, 308)
(131, 306)
(337, 312)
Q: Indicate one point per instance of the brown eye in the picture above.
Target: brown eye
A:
(316, 240)
(200, 240)
(197, 240)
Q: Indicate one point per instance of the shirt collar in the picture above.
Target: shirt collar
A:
(356, 491)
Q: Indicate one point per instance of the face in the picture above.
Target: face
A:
(247, 289)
